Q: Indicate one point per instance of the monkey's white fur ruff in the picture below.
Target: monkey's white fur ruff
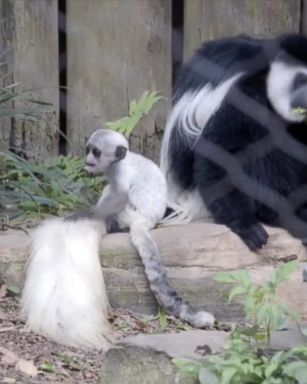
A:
(64, 294)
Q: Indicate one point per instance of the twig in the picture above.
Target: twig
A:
(17, 227)
(7, 329)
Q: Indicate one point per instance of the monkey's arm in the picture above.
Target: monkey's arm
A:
(111, 202)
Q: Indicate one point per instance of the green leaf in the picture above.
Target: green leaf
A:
(297, 370)
(292, 313)
(227, 374)
(248, 331)
(241, 277)
(235, 291)
(188, 367)
(162, 318)
(284, 271)
(137, 110)
(13, 290)
(262, 312)
(47, 367)
(207, 376)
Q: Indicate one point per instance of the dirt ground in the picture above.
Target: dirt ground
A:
(27, 358)
(46, 362)
(49, 362)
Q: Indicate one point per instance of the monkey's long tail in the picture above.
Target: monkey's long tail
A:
(165, 295)
(64, 295)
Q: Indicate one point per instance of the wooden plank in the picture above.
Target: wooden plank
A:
(29, 46)
(304, 16)
(117, 50)
(209, 19)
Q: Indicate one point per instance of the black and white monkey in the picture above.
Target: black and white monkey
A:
(235, 147)
(64, 295)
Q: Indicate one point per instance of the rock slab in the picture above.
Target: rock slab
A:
(194, 344)
(192, 254)
(148, 358)
(135, 365)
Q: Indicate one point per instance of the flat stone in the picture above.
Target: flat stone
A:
(135, 365)
(189, 344)
(192, 254)
(147, 358)
(287, 339)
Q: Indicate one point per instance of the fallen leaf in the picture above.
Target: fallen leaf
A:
(7, 329)
(47, 367)
(27, 367)
(9, 357)
(3, 291)
(8, 380)
(13, 291)
(3, 316)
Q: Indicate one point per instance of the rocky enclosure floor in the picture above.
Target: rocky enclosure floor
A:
(28, 358)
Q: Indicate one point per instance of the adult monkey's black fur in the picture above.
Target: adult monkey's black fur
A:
(234, 149)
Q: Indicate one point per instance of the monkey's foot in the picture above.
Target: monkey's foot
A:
(254, 236)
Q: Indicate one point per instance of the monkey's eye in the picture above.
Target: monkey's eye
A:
(87, 150)
(299, 80)
(96, 152)
(120, 152)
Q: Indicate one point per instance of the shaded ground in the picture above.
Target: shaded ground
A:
(53, 363)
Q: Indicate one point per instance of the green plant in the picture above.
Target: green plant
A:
(247, 360)
(50, 187)
(11, 92)
(244, 363)
(261, 304)
(137, 109)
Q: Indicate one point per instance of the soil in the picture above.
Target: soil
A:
(53, 363)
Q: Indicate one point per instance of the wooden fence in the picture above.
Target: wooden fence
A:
(113, 51)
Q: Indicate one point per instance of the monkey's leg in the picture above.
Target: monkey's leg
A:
(113, 226)
(227, 204)
(220, 158)
(166, 296)
(297, 224)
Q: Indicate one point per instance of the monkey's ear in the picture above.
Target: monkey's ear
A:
(120, 152)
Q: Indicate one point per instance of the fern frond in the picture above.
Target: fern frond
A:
(137, 109)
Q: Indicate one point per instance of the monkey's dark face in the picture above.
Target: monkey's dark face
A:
(299, 94)
(287, 88)
(104, 148)
(98, 161)
(92, 161)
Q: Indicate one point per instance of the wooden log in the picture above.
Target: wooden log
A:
(116, 51)
(192, 255)
(206, 19)
(29, 48)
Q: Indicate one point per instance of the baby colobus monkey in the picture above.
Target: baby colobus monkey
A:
(135, 199)
(64, 295)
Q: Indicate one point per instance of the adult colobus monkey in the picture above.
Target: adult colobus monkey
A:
(64, 295)
(234, 150)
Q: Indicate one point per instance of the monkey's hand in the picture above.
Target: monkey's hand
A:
(110, 204)
(86, 214)
(254, 235)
